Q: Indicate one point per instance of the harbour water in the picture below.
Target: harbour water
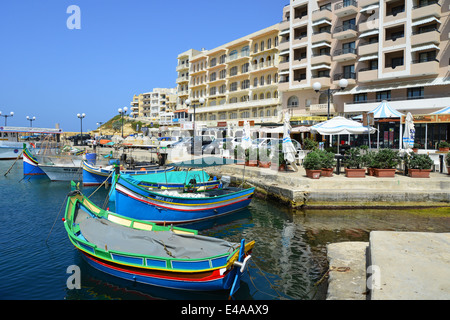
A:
(288, 260)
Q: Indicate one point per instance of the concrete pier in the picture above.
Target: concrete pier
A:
(391, 266)
(297, 190)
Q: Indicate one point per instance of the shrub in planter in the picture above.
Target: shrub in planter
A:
(309, 144)
(278, 161)
(416, 147)
(313, 165)
(444, 146)
(447, 162)
(353, 164)
(263, 157)
(385, 162)
(328, 162)
(419, 165)
(251, 155)
(239, 152)
(368, 161)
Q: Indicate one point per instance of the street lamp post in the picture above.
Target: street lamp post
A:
(81, 116)
(31, 120)
(343, 83)
(11, 114)
(122, 112)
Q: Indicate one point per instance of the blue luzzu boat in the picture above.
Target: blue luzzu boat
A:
(94, 174)
(163, 256)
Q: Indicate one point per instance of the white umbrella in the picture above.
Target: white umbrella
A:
(288, 147)
(340, 125)
(409, 134)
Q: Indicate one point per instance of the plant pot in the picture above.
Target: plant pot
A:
(444, 149)
(355, 173)
(326, 172)
(415, 150)
(385, 173)
(264, 164)
(313, 174)
(419, 173)
(371, 171)
(251, 163)
(282, 167)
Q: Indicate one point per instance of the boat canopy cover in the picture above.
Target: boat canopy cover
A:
(164, 244)
(205, 162)
(178, 177)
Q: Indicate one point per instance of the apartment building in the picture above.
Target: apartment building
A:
(234, 82)
(150, 105)
(395, 50)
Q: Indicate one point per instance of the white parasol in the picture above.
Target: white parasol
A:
(288, 147)
(409, 134)
(246, 138)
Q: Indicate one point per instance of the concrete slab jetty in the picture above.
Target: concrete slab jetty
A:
(391, 266)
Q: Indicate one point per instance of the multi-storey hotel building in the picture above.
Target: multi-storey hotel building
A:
(151, 105)
(394, 50)
(234, 82)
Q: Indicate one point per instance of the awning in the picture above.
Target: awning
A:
(316, 23)
(371, 57)
(320, 66)
(423, 21)
(183, 110)
(370, 7)
(369, 33)
(319, 44)
(425, 47)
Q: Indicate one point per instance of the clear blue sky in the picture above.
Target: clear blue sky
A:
(123, 48)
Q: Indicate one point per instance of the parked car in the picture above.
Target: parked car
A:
(77, 137)
(167, 141)
(195, 146)
(215, 146)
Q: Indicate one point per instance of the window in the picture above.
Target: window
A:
(255, 82)
(349, 72)
(245, 84)
(233, 86)
(269, 43)
(261, 96)
(360, 97)
(416, 93)
(348, 24)
(223, 74)
(245, 51)
(223, 58)
(373, 64)
(213, 62)
(427, 56)
(233, 100)
(262, 45)
(268, 113)
(276, 41)
(269, 79)
(212, 77)
(233, 71)
(268, 95)
(255, 48)
(222, 89)
(395, 62)
(245, 67)
(348, 47)
(255, 97)
(233, 55)
(383, 95)
(261, 81)
(212, 91)
(292, 102)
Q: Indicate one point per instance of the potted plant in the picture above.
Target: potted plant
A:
(419, 165)
(251, 155)
(278, 161)
(328, 162)
(444, 146)
(264, 157)
(368, 160)
(385, 162)
(239, 154)
(309, 144)
(416, 147)
(353, 164)
(313, 164)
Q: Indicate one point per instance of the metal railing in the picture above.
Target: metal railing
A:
(345, 27)
(345, 3)
(345, 75)
(344, 51)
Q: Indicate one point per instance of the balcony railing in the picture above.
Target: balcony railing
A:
(322, 9)
(425, 31)
(345, 27)
(345, 3)
(429, 3)
(424, 60)
(344, 51)
(345, 75)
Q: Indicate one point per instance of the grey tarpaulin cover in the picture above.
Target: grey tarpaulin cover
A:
(164, 244)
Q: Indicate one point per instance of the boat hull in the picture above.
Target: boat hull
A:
(137, 203)
(31, 165)
(207, 281)
(10, 152)
(93, 175)
(62, 173)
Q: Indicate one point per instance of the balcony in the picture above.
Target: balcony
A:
(321, 108)
(431, 36)
(368, 25)
(350, 76)
(324, 81)
(299, 62)
(367, 48)
(300, 41)
(394, 15)
(283, 65)
(182, 66)
(345, 32)
(322, 14)
(367, 75)
(346, 8)
(344, 54)
(394, 41)
(182, 79)
(284, 45)
(432, 8)
(321, 59)
(425, 67)
(321, 37)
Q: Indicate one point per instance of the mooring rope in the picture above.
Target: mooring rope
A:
(56, 219)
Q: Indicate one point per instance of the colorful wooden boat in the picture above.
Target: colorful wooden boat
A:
(177, 206)
(144, 252)
(31, 163)
(94, 174)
